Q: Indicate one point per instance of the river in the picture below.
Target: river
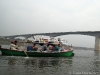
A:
(85, 62)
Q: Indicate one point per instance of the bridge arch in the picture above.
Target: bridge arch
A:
(96, 34)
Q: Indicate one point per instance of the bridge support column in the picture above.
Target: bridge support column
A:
(97, 43)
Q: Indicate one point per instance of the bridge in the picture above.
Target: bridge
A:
(96, 34)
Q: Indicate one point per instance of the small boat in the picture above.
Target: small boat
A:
(8, 52)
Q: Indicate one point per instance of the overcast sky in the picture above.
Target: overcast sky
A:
(37, 16)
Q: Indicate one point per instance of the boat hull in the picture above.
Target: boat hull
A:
(36, 54)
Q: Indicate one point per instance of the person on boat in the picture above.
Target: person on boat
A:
(58, 39)
(44, 48)
(41, 40)
(16, 44)
(60, 43)
(29, 47)
(56, 47)
(13, 45)
(66, 49)
(34, 47)
(62, 49)
(51, 48)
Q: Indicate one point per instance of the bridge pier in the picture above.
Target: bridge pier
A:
(97, 43)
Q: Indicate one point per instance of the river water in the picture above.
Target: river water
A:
(85, 62)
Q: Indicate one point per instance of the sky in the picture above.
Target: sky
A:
(41, 16)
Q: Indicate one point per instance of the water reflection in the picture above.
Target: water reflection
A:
(82, 62)
(11, 61)
(43, 62)
(24, 66)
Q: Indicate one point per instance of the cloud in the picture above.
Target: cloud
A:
(62, 14)
(37, 16)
